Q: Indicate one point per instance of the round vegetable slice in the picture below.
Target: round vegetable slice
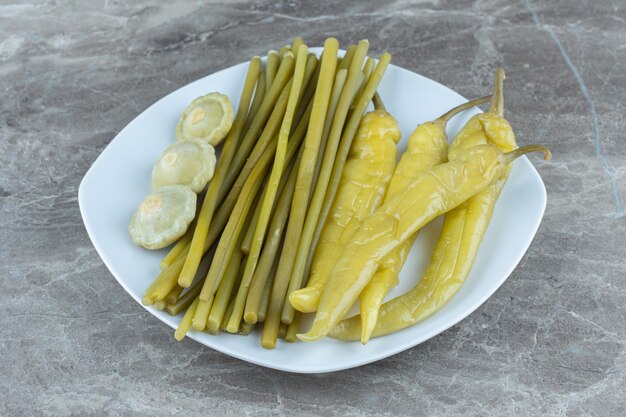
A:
(208, 119)
(163, 216)
(189, 163)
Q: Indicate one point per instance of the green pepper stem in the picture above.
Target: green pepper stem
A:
(444, 118)
(497, 103)
(378, 102)
(511, 156)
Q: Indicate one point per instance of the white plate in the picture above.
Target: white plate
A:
(120, 177)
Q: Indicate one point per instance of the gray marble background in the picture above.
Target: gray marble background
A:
(551, 341)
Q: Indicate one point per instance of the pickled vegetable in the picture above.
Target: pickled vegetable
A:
(256, 228)
(369, 167)
(163, 216)
(433, 193)
(294, 233)
(189, 163)
(208, 119)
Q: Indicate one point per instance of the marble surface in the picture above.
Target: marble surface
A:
(551, 341)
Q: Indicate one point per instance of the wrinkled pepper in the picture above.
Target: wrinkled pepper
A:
(370, 165)
(430, 195)
(427, 147)
(462, 231)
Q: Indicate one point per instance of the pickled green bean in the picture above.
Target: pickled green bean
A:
(198, 241)
(246, 328)
(297, 42)
(368, 67)
(294, 144)
(340, 80)
(293, 328)
(273, 184)
(259, 94)
(269, 106)
(367, 71)
(339, 83)
(247, 240)
(230, 235)
(212, 332)
(318, 229)
(361, 103)
(303, 109)
(166, 280)
(321, 101)
(265, 297)
(227, 313)
(313, 139)
(246, 243)
(347, 58)
(262, 142)
(252, 185)
(288, 310)
(282, 51)
(282, 331)
(271, 66)
(309, 91)
(163, 283)
(268, 136)
(198, 322)
(231, 280)
(185, 300)
(192, 293)
(292, 239)
(223, 214)
(172, 296)
(271, 247)
(360, 83)
(185, 323)
(202, 313)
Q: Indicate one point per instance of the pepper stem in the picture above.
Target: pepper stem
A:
(378, 102)
(444, 118)
(511, 156)
(497, 103)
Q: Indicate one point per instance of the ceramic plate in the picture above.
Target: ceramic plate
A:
(120, 177)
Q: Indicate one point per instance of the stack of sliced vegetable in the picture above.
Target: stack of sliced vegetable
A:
(307, 210)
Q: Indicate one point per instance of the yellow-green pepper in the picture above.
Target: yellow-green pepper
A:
(427, 148)
(370, 165)
(432, 194)
(462, 231)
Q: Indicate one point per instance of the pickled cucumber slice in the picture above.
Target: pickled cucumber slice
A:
(189, 163)
(163, 216)
(208, 119)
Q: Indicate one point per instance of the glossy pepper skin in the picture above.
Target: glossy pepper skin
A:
(462, 231)
(430, 195)
(370, 165)
(427, 148)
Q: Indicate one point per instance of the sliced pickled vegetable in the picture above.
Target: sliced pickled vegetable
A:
(189, 163)
(208, 119)
(163, 216)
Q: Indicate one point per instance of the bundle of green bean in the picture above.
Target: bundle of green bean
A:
(248, 246)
